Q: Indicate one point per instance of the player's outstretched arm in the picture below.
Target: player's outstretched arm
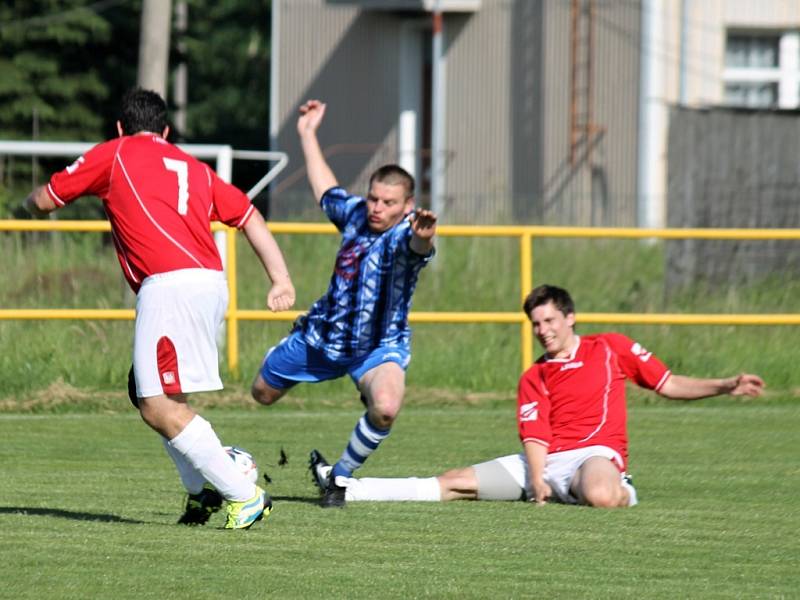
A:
(320, 175)
(39, 203)
(423, 226)
(681, 387)
(281, 295)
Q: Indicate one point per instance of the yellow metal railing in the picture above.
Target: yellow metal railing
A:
(525, 235)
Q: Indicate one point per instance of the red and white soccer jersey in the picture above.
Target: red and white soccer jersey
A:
(579, 401)
(159, 200)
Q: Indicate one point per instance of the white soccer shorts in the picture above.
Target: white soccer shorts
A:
(507, 477)
(178, 315)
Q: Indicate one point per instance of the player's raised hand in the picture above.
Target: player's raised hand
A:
(423, 224)
(311, 114)
(748, 385)
(281, 296)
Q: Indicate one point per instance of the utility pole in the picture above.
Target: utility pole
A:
(651, 184)
(180, 79)
(156, 23)
(438, 112)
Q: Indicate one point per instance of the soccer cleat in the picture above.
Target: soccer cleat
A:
(200, 506)
(627, 483)
(241, 515)
(320, 470)
(333, 496)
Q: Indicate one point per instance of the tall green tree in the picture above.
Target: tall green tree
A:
(50, 87)
(228, 56)
(64, 65)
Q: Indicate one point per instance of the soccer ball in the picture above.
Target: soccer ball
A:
(244, 462)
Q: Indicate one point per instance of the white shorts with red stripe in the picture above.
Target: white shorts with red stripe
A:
(178, 315)
(507, 477)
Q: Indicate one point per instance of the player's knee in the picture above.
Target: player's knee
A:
(383, 410)
(603, 496)
(458, 484)
(382, 419)
(151, 413)
(264, 394)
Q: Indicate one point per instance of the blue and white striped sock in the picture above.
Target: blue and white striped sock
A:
(363, 441)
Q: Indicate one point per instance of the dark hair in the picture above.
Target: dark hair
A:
(549, 293)
(142, 110)
(394, 175)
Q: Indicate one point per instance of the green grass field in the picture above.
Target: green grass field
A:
(88, 496)
(88, 502)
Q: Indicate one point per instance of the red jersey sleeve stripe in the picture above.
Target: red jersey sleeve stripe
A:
(662, 381)
(536, 441)
(51, 192)
(246, 217)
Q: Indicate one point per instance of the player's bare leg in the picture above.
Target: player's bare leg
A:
(192, 437)
(168, 415)
(458, 484)
(383, 388)
(264, 393)
(598, 483)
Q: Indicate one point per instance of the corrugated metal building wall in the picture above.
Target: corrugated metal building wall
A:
(508, 99)
(732, 168)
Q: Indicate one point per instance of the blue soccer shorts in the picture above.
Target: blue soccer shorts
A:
(293, 361)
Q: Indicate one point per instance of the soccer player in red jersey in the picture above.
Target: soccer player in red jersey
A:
(160, 202)
(571, 417)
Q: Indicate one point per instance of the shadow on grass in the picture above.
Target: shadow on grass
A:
(67, 514)
(298, 499)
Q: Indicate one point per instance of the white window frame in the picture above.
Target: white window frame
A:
(786, 74)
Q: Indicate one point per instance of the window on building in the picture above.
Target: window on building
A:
(754, 52)
(762, 69)
(752, 95)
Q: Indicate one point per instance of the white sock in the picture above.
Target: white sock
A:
(191, 478)
(201, 447)
(633, 500)
(393, 489)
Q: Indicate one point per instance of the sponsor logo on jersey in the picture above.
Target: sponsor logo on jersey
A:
(168, 377)
(348, 260)
(74, 166)
(529, 411)
(572, 365)
(641, 352)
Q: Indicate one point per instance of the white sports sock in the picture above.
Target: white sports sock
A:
(393, 489)
(201, 447)
(191, 478)
(633, 500)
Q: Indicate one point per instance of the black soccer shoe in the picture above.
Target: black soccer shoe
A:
(333, 496)
(320, 470)
(200, 506)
